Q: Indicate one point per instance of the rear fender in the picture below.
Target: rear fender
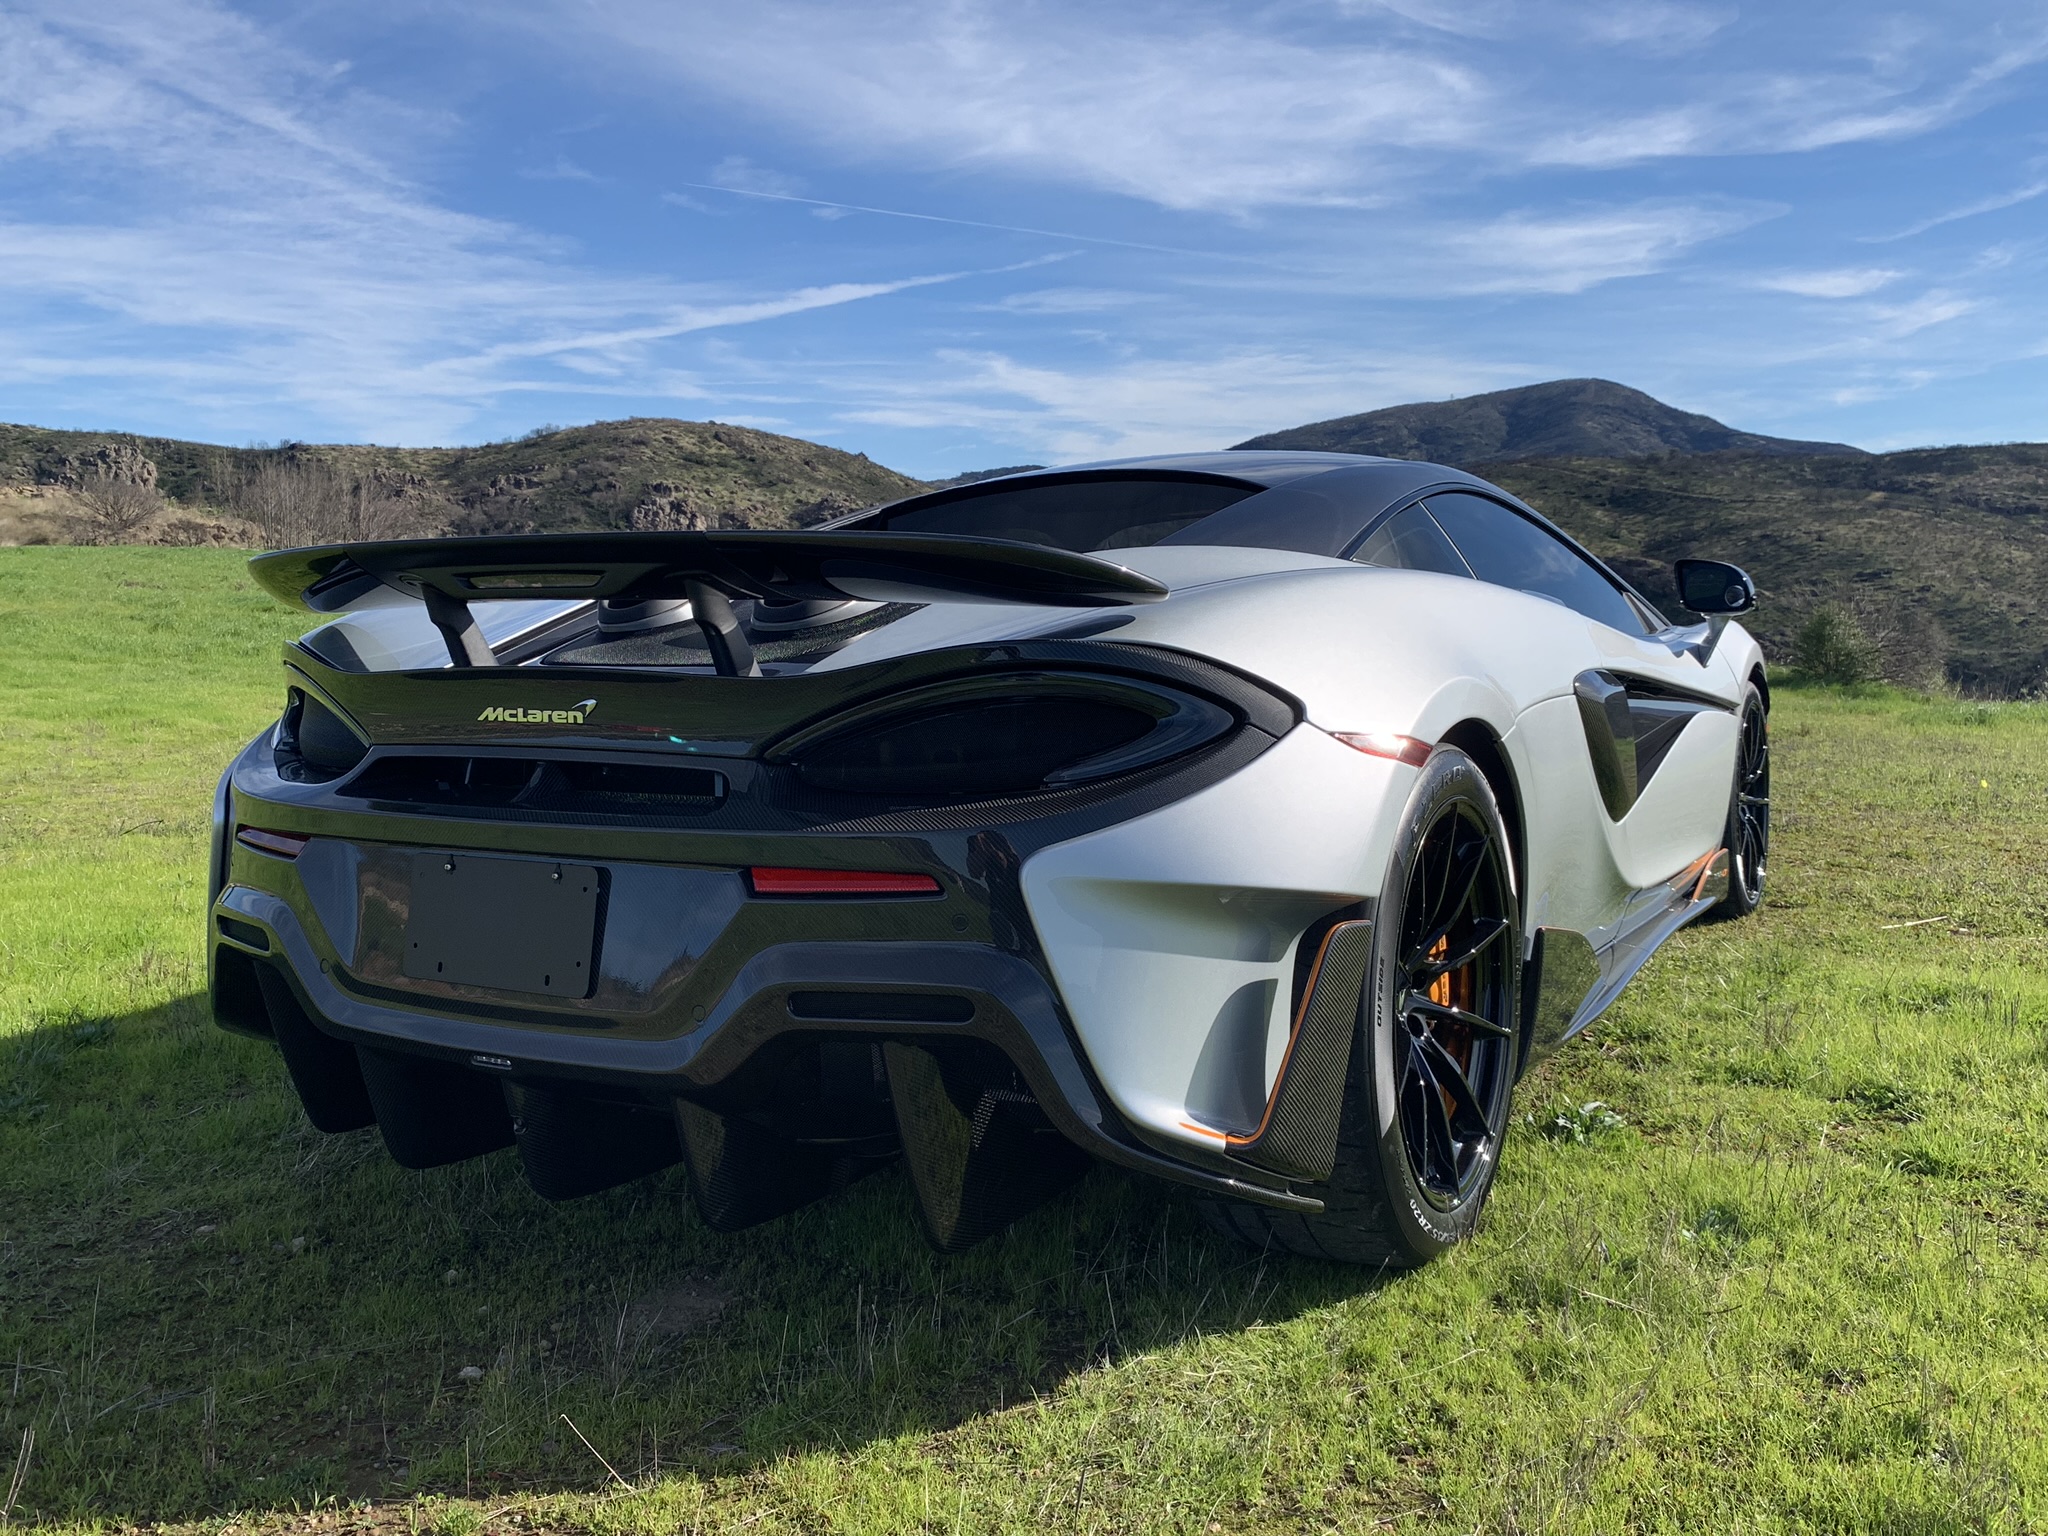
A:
(1173, 936)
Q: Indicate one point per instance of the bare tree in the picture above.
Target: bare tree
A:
(305, 501)
(373, 511)
(112, 510)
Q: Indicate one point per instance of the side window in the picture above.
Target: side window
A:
(1505, 548)
(1411, 541)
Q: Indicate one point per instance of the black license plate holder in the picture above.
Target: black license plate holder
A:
(509, 924)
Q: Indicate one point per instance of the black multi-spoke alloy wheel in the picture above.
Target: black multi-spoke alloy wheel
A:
(1426, 1102)
(1748, 837)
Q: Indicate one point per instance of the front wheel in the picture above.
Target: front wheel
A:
(1748, 833)
(1426, 1101)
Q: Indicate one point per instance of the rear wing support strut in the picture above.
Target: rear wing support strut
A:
(450, 615)
(731, 655)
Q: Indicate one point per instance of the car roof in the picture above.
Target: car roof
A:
(1268, 468)
(1317, 503)
(1260, 466)
(1313, 503)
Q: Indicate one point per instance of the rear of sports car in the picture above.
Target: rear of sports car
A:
(997, 907)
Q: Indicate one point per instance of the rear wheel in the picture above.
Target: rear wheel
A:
(1426, 1100)
(1748, 834)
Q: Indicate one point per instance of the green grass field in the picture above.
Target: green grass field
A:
(1766, 1253)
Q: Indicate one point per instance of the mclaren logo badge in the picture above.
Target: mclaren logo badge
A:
(513, 715)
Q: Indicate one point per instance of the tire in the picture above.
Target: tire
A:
(1417, 1151)
(1747, 836)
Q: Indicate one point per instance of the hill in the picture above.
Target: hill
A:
(1580, 418)
(647, 472)
(1943, 552)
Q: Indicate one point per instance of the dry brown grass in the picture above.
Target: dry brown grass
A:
(53, 514)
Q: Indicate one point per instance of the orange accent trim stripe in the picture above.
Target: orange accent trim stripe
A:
(1402, 749)
(1202, 1130)
(1315, 971)
(1706, 869)
(1696, 871)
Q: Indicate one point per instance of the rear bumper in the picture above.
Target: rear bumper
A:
(869, 991)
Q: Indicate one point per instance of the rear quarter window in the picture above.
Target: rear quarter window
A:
(1410, 540)
(1509, 550)
(1078, 515)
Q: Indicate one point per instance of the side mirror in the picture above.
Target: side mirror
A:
(1719, 591)
(1714, 588)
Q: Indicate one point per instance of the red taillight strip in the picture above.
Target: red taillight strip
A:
(286, 845)
(839, 882)
(1402, 749)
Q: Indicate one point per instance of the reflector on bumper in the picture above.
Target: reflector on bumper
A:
(839, 882)
(285, 845)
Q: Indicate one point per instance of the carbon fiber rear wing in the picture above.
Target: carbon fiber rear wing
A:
(707, 569)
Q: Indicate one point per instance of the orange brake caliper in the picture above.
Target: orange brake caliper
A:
(1454, 990)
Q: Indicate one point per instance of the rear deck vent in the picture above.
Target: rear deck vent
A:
(542, 786)
(313, 743)
(882, 1007)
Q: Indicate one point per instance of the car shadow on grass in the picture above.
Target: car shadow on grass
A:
(210, 1306)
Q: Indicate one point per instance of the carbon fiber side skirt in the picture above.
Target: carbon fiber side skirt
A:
(1297, 1137)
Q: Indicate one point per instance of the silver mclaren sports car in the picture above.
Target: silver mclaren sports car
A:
(1250, 820)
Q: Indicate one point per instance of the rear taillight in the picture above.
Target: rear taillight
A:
(839, 882)
(285, 845)
(990, 737)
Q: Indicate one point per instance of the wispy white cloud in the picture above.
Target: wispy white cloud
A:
(1833, 283)
(561, 168)
(1531, 252)
(274, 244)
(736, 173)
(1224, 108)
(1654, 25)
(1154, 405)
(1659, 26)
(1203, 112)
(682, 319)
(1795, 107)
(1069, 301)
(822, 205)
(1895, 322)
(2012, 199)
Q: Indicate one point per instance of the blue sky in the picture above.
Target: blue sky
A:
(958, 234)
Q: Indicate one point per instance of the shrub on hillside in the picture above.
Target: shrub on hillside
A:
(304, 501)
(112, 509)
(1833, 647)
